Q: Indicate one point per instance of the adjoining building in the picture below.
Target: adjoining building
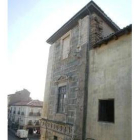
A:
(26, 115)
(88, 83)
(109, 106)
(22, 95)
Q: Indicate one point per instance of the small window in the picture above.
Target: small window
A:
(61, 99)
(106, 110)
(55, 138)
(66, 46)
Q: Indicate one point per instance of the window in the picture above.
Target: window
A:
(66, 46)
(106, 110)
(30, 122)
(61, 99)
(55, 138)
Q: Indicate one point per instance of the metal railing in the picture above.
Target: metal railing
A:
(22, 113)
(37, 123)
(34, 114)
(30, 113)
(30, 123)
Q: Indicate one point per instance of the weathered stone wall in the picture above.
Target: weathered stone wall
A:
(106, 30)
(48, 81)
(98, 29)
(47, 91)
(110, 77)
(70, 71)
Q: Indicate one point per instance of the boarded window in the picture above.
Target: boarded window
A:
(106, 110)
(66, 46)
(61, 99)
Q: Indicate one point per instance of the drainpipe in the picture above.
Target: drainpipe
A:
(86, 79)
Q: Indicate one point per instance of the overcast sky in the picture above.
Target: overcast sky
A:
(31, 23)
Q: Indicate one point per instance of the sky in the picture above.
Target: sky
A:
(31, 23)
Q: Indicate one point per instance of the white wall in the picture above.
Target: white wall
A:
(23, 119)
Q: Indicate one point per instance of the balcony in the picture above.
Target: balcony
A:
(30, 123)
(37, 123)
(31, 113)
(38, 114)
(22, 113)
(34, 114)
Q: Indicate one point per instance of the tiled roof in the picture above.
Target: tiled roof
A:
(35, 103)
(112, 36)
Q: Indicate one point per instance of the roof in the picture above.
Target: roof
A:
(33, 103)
(90, 7)
(112, 36)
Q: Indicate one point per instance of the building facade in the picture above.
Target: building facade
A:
(109, 106)
(70, 81)
(26, 115)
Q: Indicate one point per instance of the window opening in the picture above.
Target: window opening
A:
(55, 138)
(61, 99)
(106, 110)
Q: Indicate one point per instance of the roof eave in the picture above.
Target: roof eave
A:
(115, 35)
(92, 7)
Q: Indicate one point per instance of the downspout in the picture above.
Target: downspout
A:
(86, 79)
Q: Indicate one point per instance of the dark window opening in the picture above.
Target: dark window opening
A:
(106, 110)
(55, 138)
(61, 99)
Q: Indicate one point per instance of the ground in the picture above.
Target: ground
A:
(11, 136)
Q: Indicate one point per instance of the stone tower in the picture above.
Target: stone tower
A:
(66, 89)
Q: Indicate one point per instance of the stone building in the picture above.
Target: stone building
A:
(67, 98)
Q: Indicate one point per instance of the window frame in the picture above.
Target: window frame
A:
(101, 118)
(63, 102)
